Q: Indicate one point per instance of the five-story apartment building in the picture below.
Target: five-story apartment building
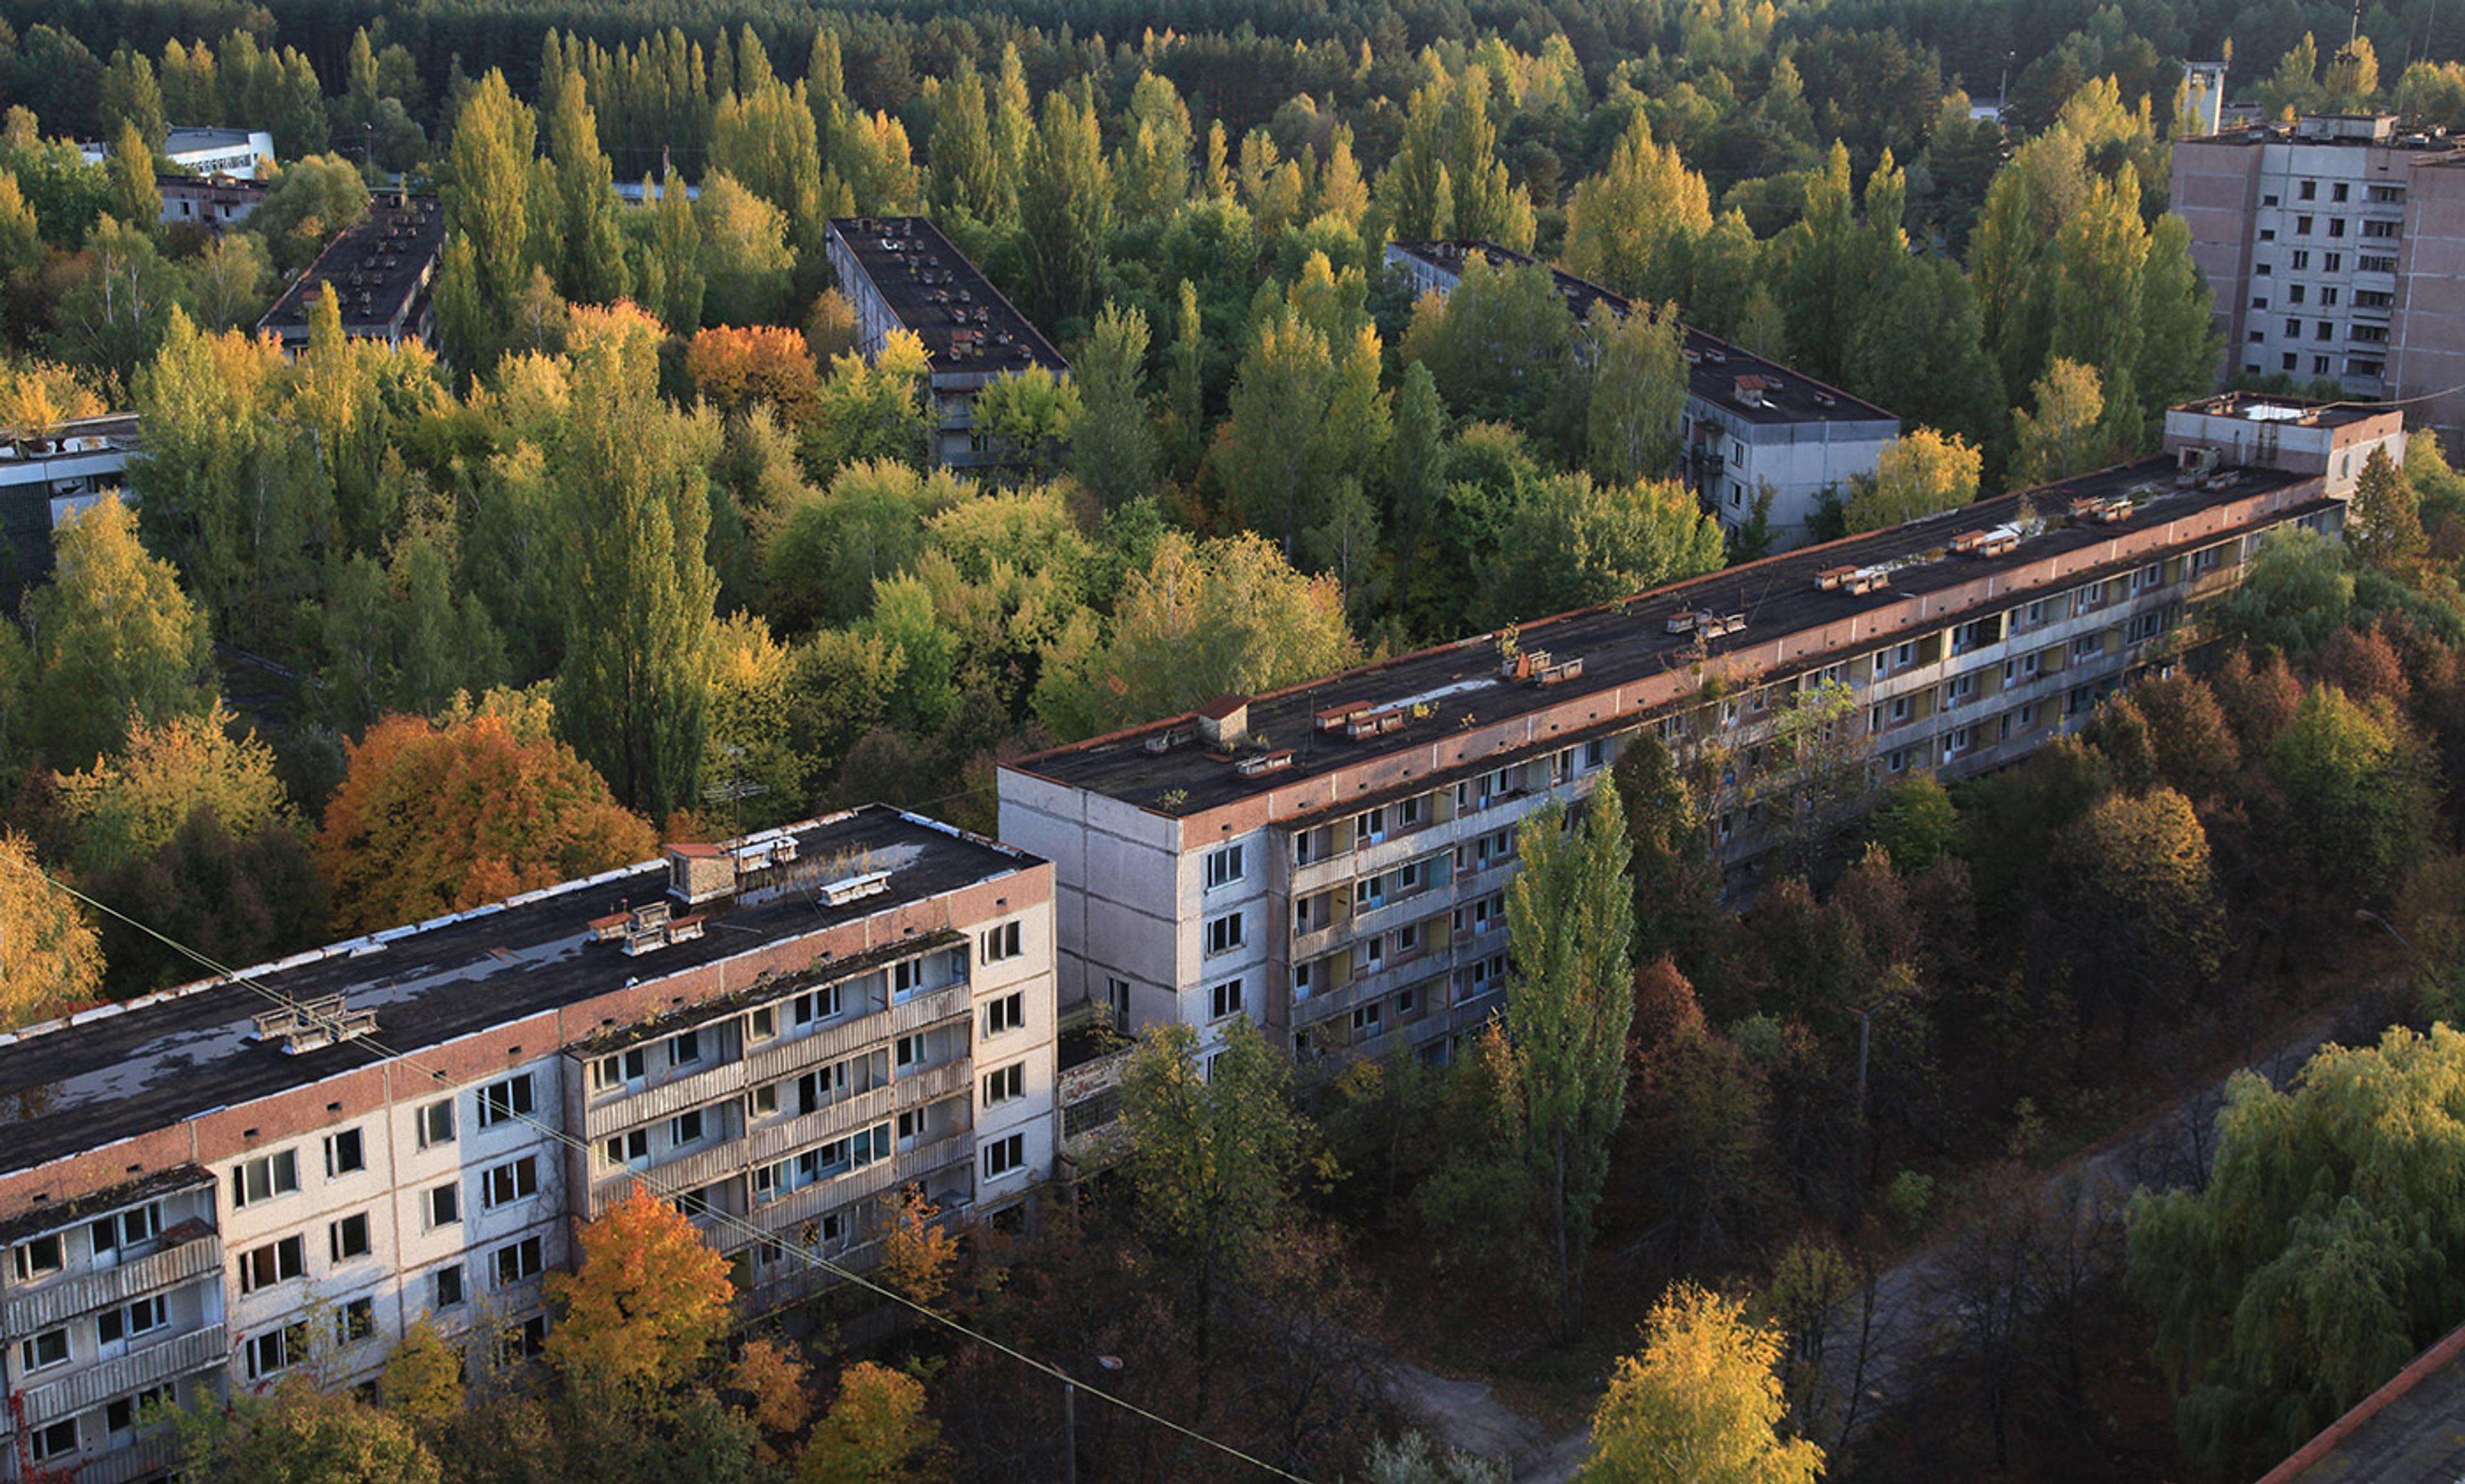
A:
(282, 1171)
(1331, 859)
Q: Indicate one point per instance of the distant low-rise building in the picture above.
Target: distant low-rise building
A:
(1751, 428)
(383, 269)
(210, 202)
(241, 153)
(901, 274)
(42, 480)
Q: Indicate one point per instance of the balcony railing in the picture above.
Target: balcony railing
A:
(105, 1287)
(121, 1375)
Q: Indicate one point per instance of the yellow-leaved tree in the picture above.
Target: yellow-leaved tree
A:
(876, 1431)
(651, 1299)
(50, 962)
(1699, 1406)
(128, 805)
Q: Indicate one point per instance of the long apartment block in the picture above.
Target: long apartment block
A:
(220, 1184)
(1331, 859)
(1750, 428)
(901, 274)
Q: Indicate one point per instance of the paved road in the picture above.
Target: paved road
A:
(2171, 1148)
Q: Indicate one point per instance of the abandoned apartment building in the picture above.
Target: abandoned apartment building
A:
(1331, 859)
(282, 1169)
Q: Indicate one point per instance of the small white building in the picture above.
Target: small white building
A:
(241, 153)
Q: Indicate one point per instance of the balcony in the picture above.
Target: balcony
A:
(915, 1089)
(105, 1287)
(148, 1455)
(778, 1141)
(695, 1090)
(95, 1384)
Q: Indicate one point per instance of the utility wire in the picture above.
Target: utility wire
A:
(812, 1259)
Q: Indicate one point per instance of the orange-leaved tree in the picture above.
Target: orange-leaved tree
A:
(651, 1299)
(50, 961)
(736, 367)
(439, 816)
(917, 1252)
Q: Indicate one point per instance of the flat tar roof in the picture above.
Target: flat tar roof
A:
(73, 1085)
(378, 265)
(1717, 373)
(964, 322)
(1624, 642)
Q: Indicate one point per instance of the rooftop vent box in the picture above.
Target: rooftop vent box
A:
(1260, 764)
(1169, 739)
(312, 1025)
(856, 888)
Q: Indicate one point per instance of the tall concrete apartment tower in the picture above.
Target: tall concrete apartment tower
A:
(2335, 249)
(274, 1173)
(1331, 859)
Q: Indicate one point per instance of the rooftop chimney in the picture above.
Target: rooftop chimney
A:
(1224, 721)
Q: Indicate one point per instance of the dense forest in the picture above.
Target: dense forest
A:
(642, 549)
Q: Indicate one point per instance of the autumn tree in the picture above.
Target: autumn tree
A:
(1201, 620)
(422, 1383)
(876, 407)
(2308, 1269)
(2359, 795)
(2387, 526)
(437, 816)
(302, 1435)
(876, 1431)
(1212, 1147)
(1700, 1404)
(590, 261)
(1638, 390)
(488, 212)
(735, 368)
(2065, 435)
(50, 961)
(1924, 473)
(1113, 447)
(1030, 416)
(916, 1251)
(126, 805)
(632, 694)
(1571, 543)
(135, 197)
(1306, 414)
(644, 1308)
(2137, 922)
(1629, 228)
(115, 639)
(1065, 205)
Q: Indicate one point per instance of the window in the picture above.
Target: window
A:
(1369, 1019)
(1405, 1000)
(909, 1051)
(999, 943)
(2336, 225)
(436, 1124)
(2295, 292)
(265, 1178)
(2379, 229)
(122, 1414)
(517, 1180)
(1305, 979)
(1007, 1013)
(2328, 330)
(2301, 228)
(1408, 939)
(1223, 867)
(762, 1025)
(46, 1350)
(2301, 259)
(445, 1287)
(2308, 190)
(2294, 328)
(684, 1049)
(2318, 366)
(278, 1349)
(685, 1128)
(440, 1205)
(1596, 751)
(621, 1070)
(1407, 813)
(2088, 646)
(1004, 1083)
(42, 1256)
(1117, 996)
(275, 1262)
(626, 1148)
(1003, 1156)
(502, 1102)
(518, 1261)
(348, 1237)
(2286, 361)
(2370, 263)
(354, 1322)
(129, 1228)
(142, 1317)
(524, 1342)
(1225, 999)
(344, 1153)
(1224, 933)
(60, 1437)
(1368, 826)
(2327, 296)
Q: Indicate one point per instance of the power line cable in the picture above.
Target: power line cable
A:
(812, 1259)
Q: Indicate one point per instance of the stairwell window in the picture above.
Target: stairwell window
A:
(348, 1237)
(1005, 1083)
(1224, 999)
(502, 1102)
(1224, 867)
(1224, 934)
(1003, 1156)
(274, 1174)
(436, 1124)
(1007, 1013)
(998, 944)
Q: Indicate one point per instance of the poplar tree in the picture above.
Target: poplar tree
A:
(590, 268)
(135, 198)
(1638, 390)
(1558, 1068)
(1627, 226)
(1065, 205)
(1114, 447)
(2386, 526)
(633, 691)
(115, 639)
(964, 174)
